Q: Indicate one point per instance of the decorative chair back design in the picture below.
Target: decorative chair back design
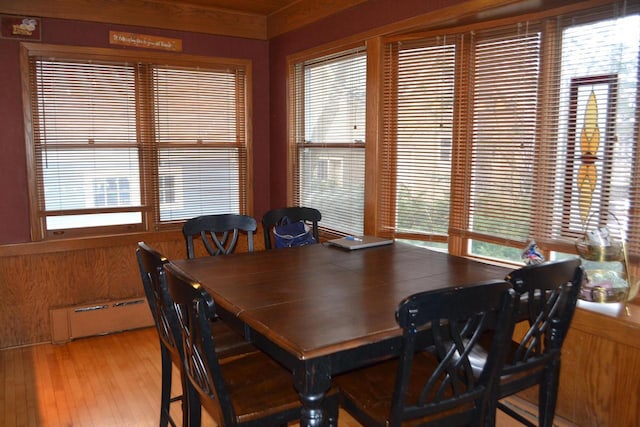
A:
(547, 294)
(250, 390)
(457, 318)
(195, 310)
(293, 213)
(151, 264)
(219, 233)
(436, 380)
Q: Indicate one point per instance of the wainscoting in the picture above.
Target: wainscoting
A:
(38, 277)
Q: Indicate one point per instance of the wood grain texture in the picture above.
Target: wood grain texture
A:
(600, 372)
(248, 18)
(303, 12)
(64, 274)
(112, 380)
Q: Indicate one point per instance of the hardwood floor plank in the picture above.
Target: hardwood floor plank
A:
(107, 381)
(8, 396)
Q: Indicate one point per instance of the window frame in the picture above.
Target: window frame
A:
(147, 147)
(296, 105)
(459, 234)
(457, 241)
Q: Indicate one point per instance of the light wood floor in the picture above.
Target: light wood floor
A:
(107, 381)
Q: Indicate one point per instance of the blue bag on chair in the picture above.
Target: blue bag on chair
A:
(291, 234)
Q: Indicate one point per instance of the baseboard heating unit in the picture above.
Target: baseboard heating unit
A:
(100, 318)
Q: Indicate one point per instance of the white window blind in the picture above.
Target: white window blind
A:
(85, 143)
(328, 101)
(124, 146)
(201, 137)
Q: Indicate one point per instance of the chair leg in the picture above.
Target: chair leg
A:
(548, 393)
(513, 414)
(165, 396)
(488, 412)
(191, 404)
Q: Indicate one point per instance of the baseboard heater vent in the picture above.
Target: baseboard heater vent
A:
(101, 318)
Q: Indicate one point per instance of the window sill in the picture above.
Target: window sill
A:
(81, 243)
(616, 322)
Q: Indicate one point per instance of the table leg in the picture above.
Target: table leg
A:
(312, 382)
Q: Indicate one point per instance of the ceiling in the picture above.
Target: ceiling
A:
(256, 7)
(256, 19)
(253, 19)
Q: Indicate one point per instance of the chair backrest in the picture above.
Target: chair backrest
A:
(219, 233)
(547, 294)
(195, 311)
(151, 264)
(457, 318)
(294, 213)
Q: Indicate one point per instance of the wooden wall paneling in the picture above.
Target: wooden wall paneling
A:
(569, 369)
(600, 371)
(627, 386)
(22, 302)
(593, 382)
(31, 283)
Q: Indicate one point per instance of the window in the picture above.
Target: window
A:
(121, 144)
(328, 138)
(542, 118)
(502, 177)
(418, 131)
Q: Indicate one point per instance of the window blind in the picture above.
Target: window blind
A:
(554, 131)
(85, 144)
(202, 145)
(504, 99)
(123, 145)
(418, 124)
(328, 104)
(542, 115)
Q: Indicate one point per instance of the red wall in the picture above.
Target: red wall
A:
(14, 205)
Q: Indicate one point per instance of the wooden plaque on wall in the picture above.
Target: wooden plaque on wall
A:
(145, 41)
(20, 27)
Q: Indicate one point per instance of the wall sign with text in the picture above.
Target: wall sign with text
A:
(145, 41)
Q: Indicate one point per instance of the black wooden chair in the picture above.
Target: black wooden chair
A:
(251, 390)
(546, 298)
(434, 381)
(229, 343)
(219, 233)
(151, 263)
(294, 213)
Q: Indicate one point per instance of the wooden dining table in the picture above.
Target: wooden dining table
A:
(321, 310)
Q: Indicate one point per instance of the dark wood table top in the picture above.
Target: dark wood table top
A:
(317, 300)
(321, 310)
